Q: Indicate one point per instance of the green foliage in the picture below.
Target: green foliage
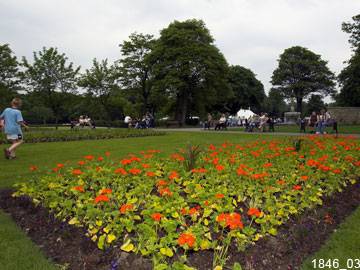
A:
(135, 71)
(314, 104)
(52, 135)
(274, 103)
(191, 156)
(354, 30)
(301, 72)
(50, 77)
(190, 71)
(248, 91)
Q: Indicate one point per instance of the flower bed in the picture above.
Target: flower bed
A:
(52, 135)
(227, 194)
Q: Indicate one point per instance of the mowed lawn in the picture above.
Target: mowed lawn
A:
(18, 252)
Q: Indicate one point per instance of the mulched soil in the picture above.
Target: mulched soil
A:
(300, 237)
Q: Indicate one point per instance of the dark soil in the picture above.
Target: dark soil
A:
(297, 239)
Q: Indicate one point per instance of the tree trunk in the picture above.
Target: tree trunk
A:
(299, 104)
(181, 109)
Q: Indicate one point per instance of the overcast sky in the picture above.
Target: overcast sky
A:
(251, 33)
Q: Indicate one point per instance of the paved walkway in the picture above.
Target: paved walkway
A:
(229, 131)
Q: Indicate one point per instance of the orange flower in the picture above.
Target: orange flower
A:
(267, 165)
(336, 171)
(297, 187)
(125, 161)
(33, 168)
(304, 177)
(173, 175)
(107, 153)
(183, 211)
(145, 165)
(165, 192)
(101, 198)
(56, 169)
(105, 191)
(120, 171)
(254, 212)
(60, 165)
(89, 157)
(177, 157)
(312, 163)
(100, 159)
(193, 211)
(199, 170)
(81, 162)
(280, 182)
(156, 216)
(219, 168)
(215, 161)
(219, 195)
(161, 183)
(232, 220)
(186, 239)
(135, 171)
(77, 172)
(98, 169)
(126, 207)
(241, 171)
(79, 188)
(150, 174)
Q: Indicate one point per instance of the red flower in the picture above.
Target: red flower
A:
(89, 157)
(199, 170)
(126, 161)
(77, 172)
(145, 165)
(232, 220)
(186, 239)
(161, 183)
(33, 168)
(241, 171)
(297, 187)
(79, 188)
(100, 158)
(156, 216)
(107, 153)
(173, 175)
(105, 191)
(280, 182)
(193, 211)
(304, 177)
(165, 192)
(267, 165)
(336, 171)
(183, 211)
(126, 207)
(60, 165)
(101, 198)
(135, 171)
(120, 171)
(81, 162)
(150, 174)
(254, 212)
(220, 167)
(219, 195)
(312, 163)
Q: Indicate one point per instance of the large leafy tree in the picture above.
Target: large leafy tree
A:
(9, 80)
(349, 78)
(136, 76)
(301, 72)
(314, 104)
(50, 78)
(189, 68)
(274, 103)
(100, 83)
(248, 91)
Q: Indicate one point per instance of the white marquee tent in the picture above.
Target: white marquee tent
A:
(244, 114)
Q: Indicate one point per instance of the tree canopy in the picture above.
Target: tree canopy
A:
(353, 28)
(301, 72)
(189, 69)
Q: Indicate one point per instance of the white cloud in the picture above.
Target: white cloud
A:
(249, 33)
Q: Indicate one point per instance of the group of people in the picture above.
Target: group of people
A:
(318, 122)
(84, 121)
(147, 121)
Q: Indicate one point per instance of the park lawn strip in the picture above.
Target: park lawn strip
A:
(343, 244)
(17, 252)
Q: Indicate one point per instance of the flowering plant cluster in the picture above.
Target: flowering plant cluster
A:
(237, 193)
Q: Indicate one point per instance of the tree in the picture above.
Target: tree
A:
(136, 74)
(301, 72)
(248, 91)
(189, 69)
(9, 80)
(349, 80)
(314, 104)
(349, 77)
(274, 103)
(50, 78)
(100, 82)
(354, 30)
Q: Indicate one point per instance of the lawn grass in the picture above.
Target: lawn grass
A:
(343, 244)
(15, 246)
(343, 129)
(17, 251)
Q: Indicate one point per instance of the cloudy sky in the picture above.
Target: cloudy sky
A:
(251, 33)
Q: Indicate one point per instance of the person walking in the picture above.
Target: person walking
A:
(13, 121)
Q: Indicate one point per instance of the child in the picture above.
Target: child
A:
(13, 121)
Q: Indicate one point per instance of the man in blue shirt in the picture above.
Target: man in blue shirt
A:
(13, 120)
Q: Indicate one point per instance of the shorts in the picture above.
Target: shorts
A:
(13, 137)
